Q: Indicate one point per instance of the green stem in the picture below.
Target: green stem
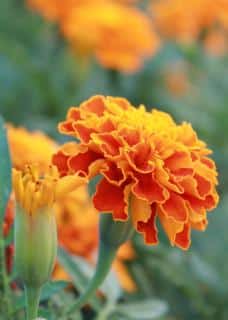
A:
(32, 302)
(4, 280)
(105, 259)
(112, 234)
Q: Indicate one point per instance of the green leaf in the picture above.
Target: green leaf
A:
(79, 272)
(5, 171)
(143, 310)
(49, 289)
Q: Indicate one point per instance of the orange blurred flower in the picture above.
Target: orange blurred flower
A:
(176, 79)
(188, 20)
(77, 232)
(162, 168)
(215, 43)
(52, 9)
(120, 36)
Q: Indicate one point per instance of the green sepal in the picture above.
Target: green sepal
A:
(35, 246)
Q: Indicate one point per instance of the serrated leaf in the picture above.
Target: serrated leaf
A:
(143, 310)
(5, 170)
(79, 272)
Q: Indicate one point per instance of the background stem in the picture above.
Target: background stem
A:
(4, 280)
(104, 263)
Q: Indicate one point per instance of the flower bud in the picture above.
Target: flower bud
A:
(35, 227)
(35, 245)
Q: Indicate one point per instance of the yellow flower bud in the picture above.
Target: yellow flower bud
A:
(35, 226)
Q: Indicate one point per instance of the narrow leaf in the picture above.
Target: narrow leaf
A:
(5, 171)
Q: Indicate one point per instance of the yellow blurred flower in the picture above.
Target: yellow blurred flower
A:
(30, 147)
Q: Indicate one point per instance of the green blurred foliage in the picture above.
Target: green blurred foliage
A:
(40, 79)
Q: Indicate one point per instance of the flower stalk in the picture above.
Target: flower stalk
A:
(32, 301)
(111, 235)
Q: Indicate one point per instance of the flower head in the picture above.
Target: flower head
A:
(34, 192)
(150, 167)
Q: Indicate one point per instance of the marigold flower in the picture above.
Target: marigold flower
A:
(120, 36)
(150, 167)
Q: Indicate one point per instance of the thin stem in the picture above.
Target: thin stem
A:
(4, 280)
(32, 302)
(105, 259)
(111, 235)
(105, 312)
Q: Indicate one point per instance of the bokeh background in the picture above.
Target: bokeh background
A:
(47, 66)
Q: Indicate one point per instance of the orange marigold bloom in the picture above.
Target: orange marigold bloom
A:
(120, 36)
(144, 158)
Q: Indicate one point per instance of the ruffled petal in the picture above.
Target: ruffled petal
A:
(146, 188)
(183, 238)
(111, 198)
(139, 158)
(140, 210)
(175, 208)
(149, 228)
(81, 162)
(114, 174)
